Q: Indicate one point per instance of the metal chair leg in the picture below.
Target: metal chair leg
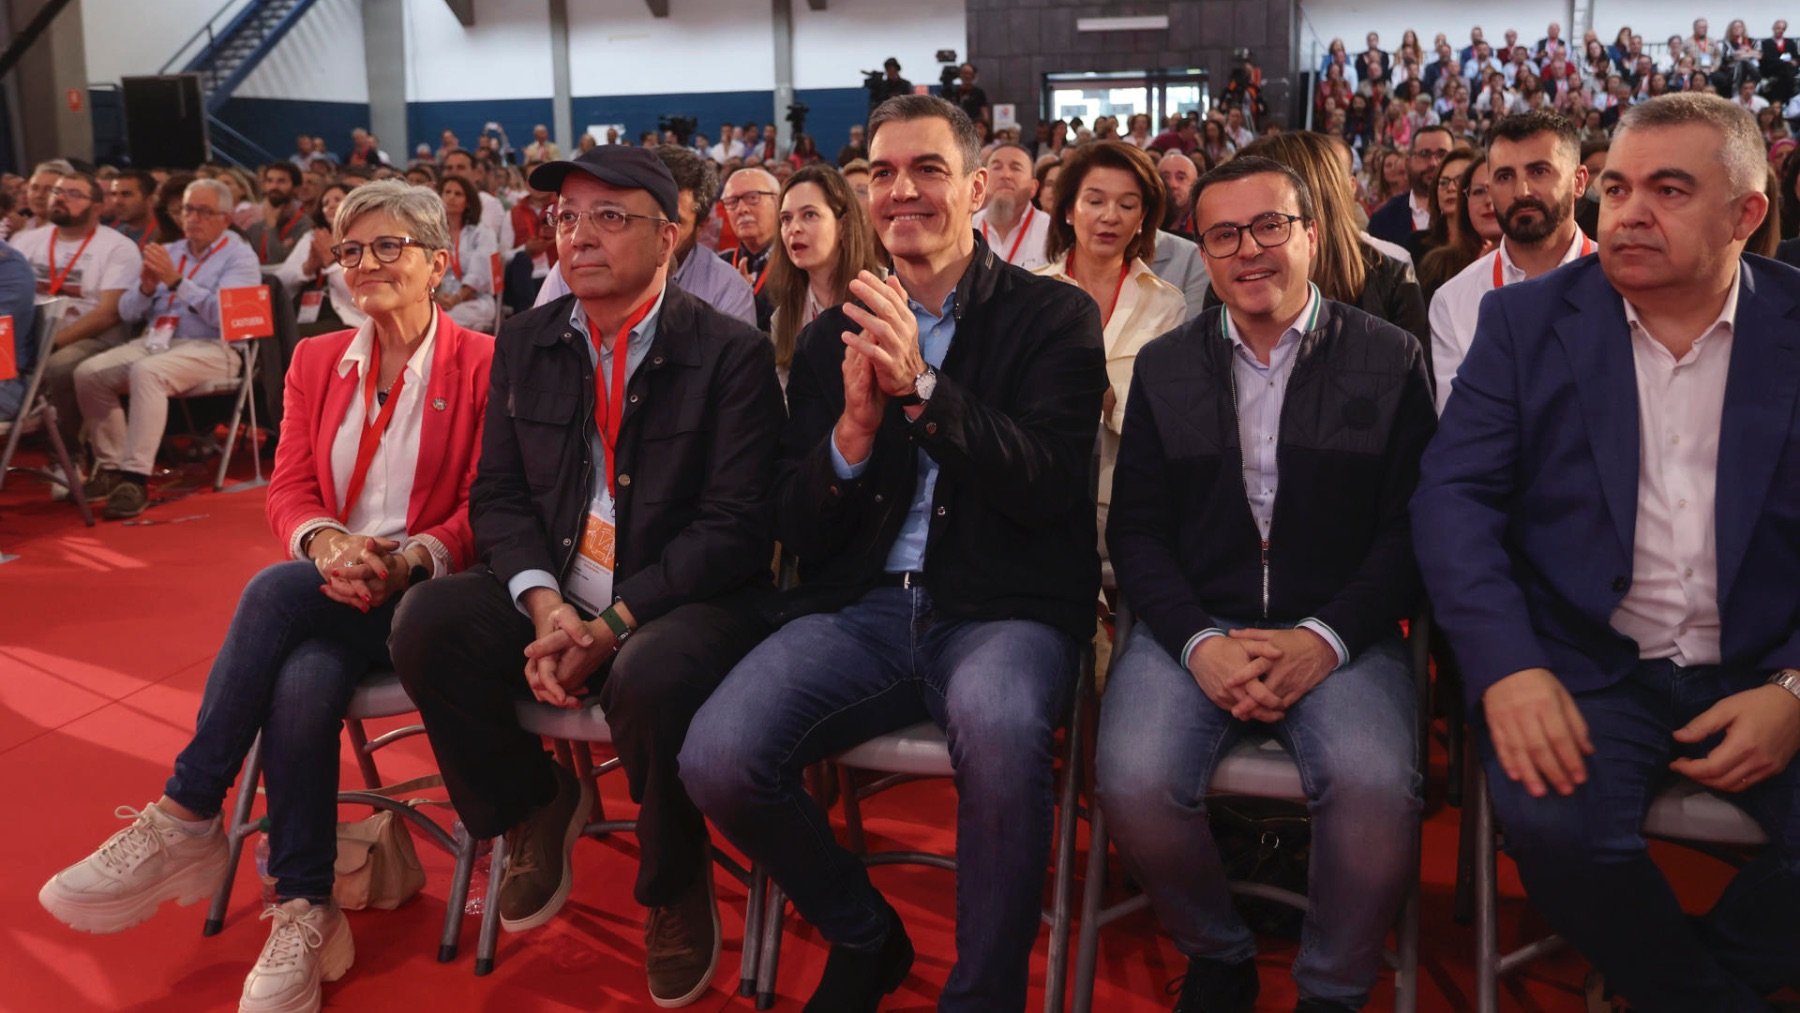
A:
(1464, 908)
(490, 911)
(466, 847)
(235, 834)
(1406, 976)
(365, 758)
(1487, 901)
(1056, 967)
(769, 960)
(1087, 948)
(753, 930)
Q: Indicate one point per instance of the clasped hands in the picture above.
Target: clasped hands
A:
(1540, 737)
(360, 571)
(1257, 674)
(566, 651)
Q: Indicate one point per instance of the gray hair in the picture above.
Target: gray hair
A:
(418, 208)
(905, 108)
(59, 166)
(1741, 144)
(220, 192)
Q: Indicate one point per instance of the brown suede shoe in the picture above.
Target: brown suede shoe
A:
(538, 872)
(681, 945)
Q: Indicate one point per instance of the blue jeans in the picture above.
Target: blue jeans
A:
(825, 683)
(1354, 739)
(289, 665)
(1585, 866)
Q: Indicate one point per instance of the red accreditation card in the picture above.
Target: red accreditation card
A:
(246, 313)
(9, 360)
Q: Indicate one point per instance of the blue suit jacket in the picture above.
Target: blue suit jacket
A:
(1526, 507)
(1393, 222)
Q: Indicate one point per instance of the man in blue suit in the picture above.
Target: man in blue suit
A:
(1608, 523)
(1404, 219)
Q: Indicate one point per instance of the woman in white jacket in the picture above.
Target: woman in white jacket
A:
(467, 293)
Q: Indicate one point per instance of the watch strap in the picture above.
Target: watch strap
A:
(616, 623)
(1788, 679)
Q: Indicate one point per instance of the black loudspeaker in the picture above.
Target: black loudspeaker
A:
(165, 121)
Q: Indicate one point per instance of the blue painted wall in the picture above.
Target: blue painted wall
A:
(273, 123)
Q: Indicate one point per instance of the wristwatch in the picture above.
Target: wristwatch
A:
(616, 623)
(1788, 679)
(924, 385)
(418, 575)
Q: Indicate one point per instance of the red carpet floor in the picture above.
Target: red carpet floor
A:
(106, 635)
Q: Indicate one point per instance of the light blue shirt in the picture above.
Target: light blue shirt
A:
(908, 550)
(196, 299)
(642, 337)
(1261, 391)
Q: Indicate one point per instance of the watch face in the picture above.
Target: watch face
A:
(925, 384)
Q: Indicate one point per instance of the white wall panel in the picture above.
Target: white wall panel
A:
(617, 48)
(506, 55)
(834, 46)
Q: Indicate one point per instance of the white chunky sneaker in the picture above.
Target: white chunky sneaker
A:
(309, 944)
(127, 878)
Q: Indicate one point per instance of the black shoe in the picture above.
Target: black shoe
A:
(1213, 986)
(127, 499)
(1323, 1006)
(855, 980)
(538, 873)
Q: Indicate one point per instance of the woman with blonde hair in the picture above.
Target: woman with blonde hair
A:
(826, 240)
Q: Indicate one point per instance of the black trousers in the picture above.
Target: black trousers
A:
(458, 644)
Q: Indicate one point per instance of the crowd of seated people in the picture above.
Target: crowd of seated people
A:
(899, 368)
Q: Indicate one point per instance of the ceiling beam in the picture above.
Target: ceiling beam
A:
(464, 11)
(815, 5)
(658, 8)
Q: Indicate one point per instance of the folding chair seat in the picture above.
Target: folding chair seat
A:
(1255, 767)
(379, 695)
(573, 734)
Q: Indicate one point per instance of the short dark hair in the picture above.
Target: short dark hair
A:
(1245, 166)
(471, 199)
(457, 151)
(692, 174)
(1413, 145)
(146, 183)
(1597, 146)
(1108, 155)
(905, 108)
(288, 169)
(93, 185)
(1524, 126)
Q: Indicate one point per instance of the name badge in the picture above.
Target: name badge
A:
(590, 581)
(161, 333)
(310, 301)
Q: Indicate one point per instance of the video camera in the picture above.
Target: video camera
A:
(796, 115)
(951, 70)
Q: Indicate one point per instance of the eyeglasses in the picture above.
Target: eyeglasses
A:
(1268, 230)
(1429, 155)
(190, 211)
(606, 220)
(58, 191)
(1447, 185)
(386, 249)
(749, 199)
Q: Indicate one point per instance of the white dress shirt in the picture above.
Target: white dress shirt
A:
(1025, 245)
(1456, 306)
(1421, 211)
(382, 507)
(1672, 609)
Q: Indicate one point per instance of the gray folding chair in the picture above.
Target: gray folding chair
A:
(1256, 767)
(1683, 813)
(36, 412)
(573, 733)
(243, 388)
(379, 695)
(921, 751)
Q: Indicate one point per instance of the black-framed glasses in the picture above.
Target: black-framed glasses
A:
(749, 198)
(386, 249)
(608, 220)
(67, 194)
(1267, 230)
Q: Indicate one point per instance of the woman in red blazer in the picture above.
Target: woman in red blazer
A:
(369, 496)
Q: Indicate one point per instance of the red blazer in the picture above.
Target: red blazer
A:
(316, 400)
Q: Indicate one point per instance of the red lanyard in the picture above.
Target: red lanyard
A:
(144, 238)
(1124, 270)
(56, 280)
(282, 234)
(202, 263)
(456, 258)
(370, 439)
(1587, 247)
(1024, 226)
(609, 409)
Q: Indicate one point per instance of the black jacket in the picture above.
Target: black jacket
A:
(696, 455)
(1185, 546)
(1011, 427)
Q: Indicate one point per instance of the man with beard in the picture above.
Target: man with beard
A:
(1405, 219)
(750, 201)
(284, 219)
(1534, 176)
(698, 271)
(91, 266)
(128, 202)
(1179, 174)
(1012, 226)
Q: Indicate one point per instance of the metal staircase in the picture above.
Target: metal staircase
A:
(225, 50)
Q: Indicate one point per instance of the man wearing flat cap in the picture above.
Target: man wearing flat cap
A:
(623, 521)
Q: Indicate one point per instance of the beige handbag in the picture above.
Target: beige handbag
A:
(377, 865)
